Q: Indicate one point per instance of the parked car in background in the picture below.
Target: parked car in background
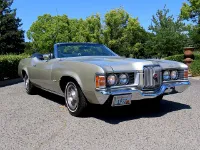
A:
(92, 73)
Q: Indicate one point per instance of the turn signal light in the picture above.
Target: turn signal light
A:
(185, 74)
(100, 81)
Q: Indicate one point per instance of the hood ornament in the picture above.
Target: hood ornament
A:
(155, 76)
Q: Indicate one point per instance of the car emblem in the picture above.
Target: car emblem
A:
(155, 76)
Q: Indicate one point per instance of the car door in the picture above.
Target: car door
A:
(33, 71)
(44, 69)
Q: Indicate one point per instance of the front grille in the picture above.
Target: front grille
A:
(131, 78)
(149, 81)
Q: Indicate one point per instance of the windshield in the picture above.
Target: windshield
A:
(83, 49)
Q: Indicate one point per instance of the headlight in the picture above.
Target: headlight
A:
(123, 79)
(111, 80)
(174, 75)
(166, 75)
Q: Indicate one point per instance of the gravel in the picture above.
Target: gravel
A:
(42, 122)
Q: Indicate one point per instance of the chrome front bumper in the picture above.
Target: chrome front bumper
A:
(166, 88)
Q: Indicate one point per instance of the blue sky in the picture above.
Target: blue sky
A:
(29, 10)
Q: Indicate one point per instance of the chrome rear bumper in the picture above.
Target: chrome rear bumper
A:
(165, 89)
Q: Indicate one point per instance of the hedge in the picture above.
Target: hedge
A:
(9, 65)
(195, 67)
(180, 57)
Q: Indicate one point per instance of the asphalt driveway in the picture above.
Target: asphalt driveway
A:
(42, 122)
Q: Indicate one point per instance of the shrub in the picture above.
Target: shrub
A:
(195, 68)
(197, 57)
(9, 65)
(179, 57)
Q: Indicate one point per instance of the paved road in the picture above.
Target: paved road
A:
(42, 122)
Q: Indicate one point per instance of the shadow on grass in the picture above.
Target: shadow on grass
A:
(115, 115)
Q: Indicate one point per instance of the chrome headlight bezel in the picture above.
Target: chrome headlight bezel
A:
(111, 80)
(166, 75)
(174, 74)
(123, 76)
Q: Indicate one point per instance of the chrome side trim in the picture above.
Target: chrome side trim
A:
(165, 89)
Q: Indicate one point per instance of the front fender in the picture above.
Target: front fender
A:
(83, 73)
(23, 64)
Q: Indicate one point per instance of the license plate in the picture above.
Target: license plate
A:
(122, 100)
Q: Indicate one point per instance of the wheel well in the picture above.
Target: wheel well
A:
(64, 80)
(23, 73)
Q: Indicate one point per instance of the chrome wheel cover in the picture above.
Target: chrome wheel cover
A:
(26, 81)
(71, 96)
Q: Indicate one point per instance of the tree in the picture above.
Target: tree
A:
(191, 11)
(11, 35)
(133, 39)
(94, 29)
(169, 34)
(115, 23)
(48, 30)
(123, 34)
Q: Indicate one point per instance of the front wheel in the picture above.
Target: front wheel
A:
(30, 88)
(74, 99)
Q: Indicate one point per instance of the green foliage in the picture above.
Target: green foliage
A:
(11, 36)
(195, 68)
(118, 30)
(191, 11)
(196, 56)
(9, 65)
(168, 37)
(28, 48)
(179, 57)
(122, 33)
(48, 30)
(116, 22)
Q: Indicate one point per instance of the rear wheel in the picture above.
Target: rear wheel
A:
(30, 88)
(74, 99)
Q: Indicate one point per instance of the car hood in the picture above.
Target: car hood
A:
(126, 64)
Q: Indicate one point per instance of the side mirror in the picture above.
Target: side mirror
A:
(47, 57)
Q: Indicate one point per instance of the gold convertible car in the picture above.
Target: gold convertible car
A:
(86, 73)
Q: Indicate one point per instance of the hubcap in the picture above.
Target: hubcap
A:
(26, 80)
(71, 96)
